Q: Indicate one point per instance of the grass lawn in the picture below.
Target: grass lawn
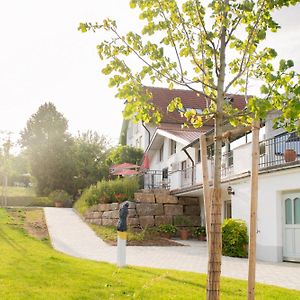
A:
(31, 269)
(18, 191)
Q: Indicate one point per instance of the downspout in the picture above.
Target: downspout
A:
(149, 135)
(193, 164)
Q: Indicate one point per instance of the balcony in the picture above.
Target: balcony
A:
(274, 151)
(155, 179)
(234, 163)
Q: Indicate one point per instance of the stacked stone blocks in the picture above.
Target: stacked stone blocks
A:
(149, 209)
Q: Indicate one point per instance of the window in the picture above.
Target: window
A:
(161, 153)
(173, 147)
(183, 168)
(227, 209)
(297, 211)
(288, 211)
(165, 173)
(292, 211)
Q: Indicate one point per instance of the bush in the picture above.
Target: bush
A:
(59, 196)
(111, 191)
(201, 230)
(234, 238)
(167, 228)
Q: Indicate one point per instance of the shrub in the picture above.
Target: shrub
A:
(182, 221)
(201, 230)
(234, 238)
(59, 195)
(167, 228)
(104, 191)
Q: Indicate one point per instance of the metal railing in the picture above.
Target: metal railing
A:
(227, 164)
(155, 179)
(188, 177)
(274, 151)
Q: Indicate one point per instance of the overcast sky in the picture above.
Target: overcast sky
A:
(44, 58)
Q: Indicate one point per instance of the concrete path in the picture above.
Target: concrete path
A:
(69, 234)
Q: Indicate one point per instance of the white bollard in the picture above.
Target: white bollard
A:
(121, 249)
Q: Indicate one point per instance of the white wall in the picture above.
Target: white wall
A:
(270, 209)
(138, 136)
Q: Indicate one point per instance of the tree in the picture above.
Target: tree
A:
(90, 152)
(48, 146)
(211, 50)
(121, 154)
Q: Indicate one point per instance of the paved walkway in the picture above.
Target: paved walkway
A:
(69, 234)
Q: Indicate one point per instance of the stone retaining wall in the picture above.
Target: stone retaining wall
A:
(149, 210)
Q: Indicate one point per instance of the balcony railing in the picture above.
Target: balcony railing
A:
(237, 161)
(155, 179)
(188, 177)
(273, 152)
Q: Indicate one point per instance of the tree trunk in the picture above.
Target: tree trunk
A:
(215, 236)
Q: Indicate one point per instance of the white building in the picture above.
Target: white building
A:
(278, 218)
(174, 157)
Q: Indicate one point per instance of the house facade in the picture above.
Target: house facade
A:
(175, 164)
(278, 215)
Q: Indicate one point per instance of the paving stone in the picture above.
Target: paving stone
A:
(70, 235)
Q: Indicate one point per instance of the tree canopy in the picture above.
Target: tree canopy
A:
(124, 153)
(48, 146)
(90, 152)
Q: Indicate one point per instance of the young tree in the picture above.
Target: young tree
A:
(212, 50)
(49, 146)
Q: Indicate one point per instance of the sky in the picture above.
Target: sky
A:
(43, 57)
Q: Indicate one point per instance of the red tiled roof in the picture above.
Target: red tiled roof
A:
(161, 97)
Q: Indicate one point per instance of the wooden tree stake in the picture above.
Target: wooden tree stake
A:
(206, 190)
(253, 211)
